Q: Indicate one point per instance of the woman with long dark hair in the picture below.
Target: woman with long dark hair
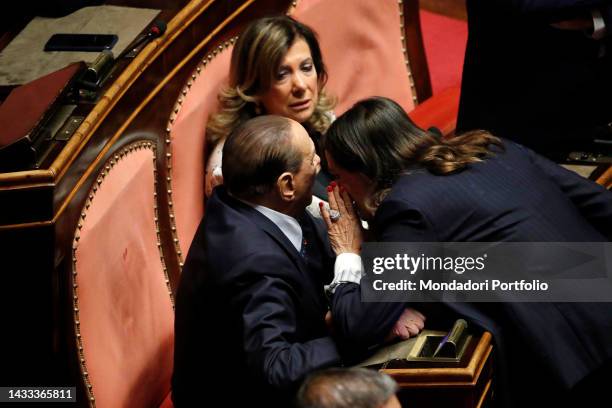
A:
(413, 186)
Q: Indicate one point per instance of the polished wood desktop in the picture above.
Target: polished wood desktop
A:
(469, 386)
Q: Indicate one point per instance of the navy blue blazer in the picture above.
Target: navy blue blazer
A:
(249, 311)
(518, 196)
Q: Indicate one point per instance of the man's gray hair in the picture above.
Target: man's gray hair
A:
(346, 388)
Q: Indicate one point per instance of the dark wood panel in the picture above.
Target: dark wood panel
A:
(450, 8)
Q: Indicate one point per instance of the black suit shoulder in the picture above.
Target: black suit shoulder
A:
(515, 195)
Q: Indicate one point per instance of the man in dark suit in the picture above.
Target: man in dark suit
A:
(250, 308)
(538, 72)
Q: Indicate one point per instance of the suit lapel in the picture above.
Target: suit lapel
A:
(321, 233)
(269, 228)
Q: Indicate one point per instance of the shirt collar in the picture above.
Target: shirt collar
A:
(287, 224)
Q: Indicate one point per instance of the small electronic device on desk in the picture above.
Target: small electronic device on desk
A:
(81, 42)
(437, 368)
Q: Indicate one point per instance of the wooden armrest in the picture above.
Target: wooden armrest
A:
(440, 111)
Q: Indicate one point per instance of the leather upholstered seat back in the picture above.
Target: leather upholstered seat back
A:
(123, 312)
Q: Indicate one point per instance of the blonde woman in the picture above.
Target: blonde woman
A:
(276, 68)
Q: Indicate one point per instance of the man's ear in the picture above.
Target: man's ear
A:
(286, 186)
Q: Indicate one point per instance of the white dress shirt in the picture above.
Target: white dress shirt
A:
(347, 267)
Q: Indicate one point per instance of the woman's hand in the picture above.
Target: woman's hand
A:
(344, 229)
(409, 324)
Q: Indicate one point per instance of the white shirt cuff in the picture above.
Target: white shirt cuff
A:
(599, 25)
(347, 268)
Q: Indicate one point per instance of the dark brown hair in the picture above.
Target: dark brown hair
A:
(378, 139)
(256, 153)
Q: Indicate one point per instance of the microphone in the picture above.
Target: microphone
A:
(157, 29)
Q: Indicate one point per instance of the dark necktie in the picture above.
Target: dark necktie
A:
(306, 238)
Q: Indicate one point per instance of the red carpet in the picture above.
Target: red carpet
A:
(445, 40)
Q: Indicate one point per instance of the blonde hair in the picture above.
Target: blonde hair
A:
(255, 59)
